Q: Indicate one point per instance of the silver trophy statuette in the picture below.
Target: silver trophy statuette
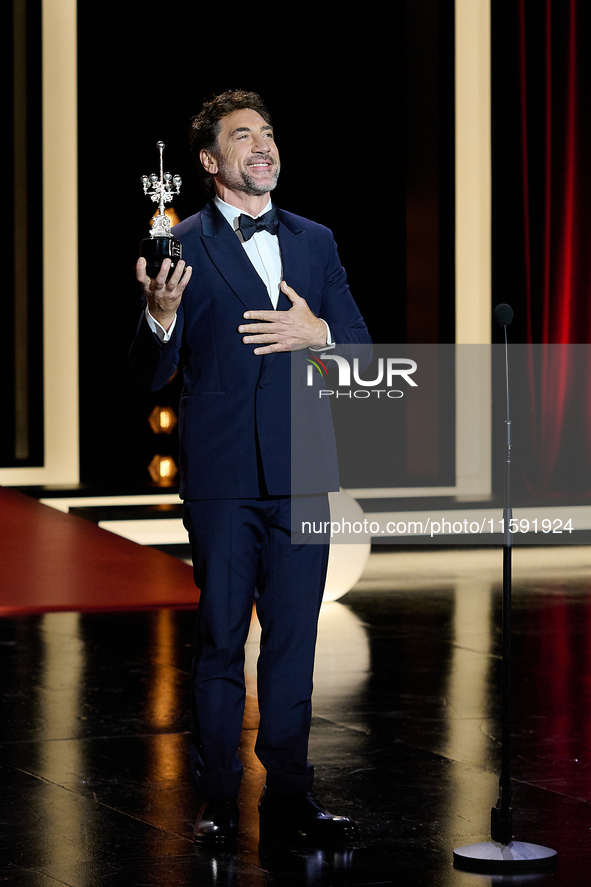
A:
(160, 244)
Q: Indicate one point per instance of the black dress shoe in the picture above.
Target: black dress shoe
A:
(217, 822)
(302, 814)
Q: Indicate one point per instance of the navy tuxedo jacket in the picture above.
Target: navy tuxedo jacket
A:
(236, 416)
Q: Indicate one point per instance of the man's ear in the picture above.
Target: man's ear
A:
(208, 162)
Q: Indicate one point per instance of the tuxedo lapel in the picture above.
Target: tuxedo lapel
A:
(228, 255)
(295, 259)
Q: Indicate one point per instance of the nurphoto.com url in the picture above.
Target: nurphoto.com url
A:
(441, 527)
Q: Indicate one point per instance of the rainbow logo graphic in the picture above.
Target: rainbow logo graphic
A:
(316, 362)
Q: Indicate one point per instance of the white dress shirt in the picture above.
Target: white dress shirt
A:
(262, 248)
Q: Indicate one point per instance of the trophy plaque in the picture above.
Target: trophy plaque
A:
(160, 244)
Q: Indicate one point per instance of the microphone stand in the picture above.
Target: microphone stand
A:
(502, 853)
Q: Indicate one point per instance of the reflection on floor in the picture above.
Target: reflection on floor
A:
(405, 734)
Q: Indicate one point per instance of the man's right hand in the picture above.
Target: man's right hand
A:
(163, 297)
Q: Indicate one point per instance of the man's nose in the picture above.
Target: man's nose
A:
(261, 145)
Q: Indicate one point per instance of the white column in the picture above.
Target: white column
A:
(60, 252)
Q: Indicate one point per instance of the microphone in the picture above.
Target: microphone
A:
(503, 314)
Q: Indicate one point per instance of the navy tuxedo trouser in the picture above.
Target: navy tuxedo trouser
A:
(242, 548)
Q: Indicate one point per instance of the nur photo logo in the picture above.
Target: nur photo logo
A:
(390, 370)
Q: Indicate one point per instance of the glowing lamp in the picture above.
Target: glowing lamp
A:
(163, 470)
(162, 420)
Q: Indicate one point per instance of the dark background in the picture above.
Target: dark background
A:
(20, 36)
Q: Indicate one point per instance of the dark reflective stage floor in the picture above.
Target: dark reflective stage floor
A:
(93, 735)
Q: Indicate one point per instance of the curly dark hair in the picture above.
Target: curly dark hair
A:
(204, 127)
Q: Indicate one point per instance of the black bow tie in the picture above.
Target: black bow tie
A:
(269, 222)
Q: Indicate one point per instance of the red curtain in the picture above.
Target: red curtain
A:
(555, 93)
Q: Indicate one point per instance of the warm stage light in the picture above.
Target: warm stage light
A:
(171, 213)
(163, 470)
(162, 420)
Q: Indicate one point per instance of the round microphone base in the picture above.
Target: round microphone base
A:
(489, 856)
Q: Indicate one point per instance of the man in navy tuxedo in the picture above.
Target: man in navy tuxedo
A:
(256, 289)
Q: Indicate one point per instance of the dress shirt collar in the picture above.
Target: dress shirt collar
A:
(232, 213)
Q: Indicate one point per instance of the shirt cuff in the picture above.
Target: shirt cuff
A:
(158, 329)
(329, 342)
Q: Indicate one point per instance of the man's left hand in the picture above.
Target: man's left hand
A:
(291, 330)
